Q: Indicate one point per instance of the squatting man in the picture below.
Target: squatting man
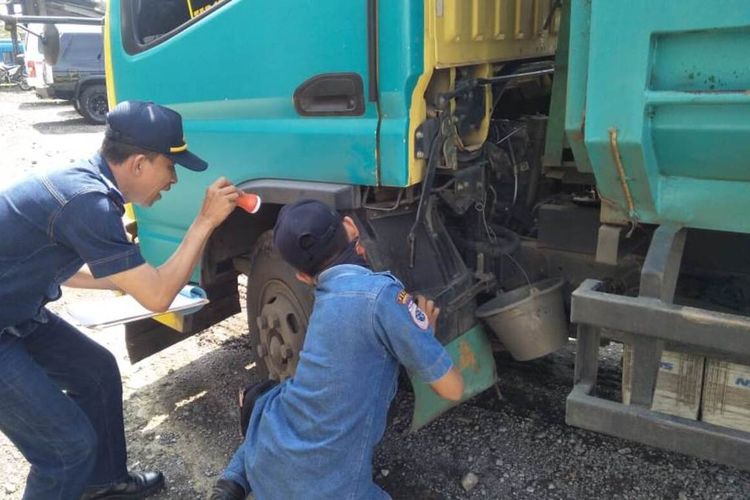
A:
(314, 435)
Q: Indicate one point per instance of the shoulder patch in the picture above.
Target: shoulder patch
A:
(417, 315)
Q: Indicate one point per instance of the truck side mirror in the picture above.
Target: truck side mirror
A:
(49, 43)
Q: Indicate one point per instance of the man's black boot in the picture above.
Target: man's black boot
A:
(226, 489)
(137, 485)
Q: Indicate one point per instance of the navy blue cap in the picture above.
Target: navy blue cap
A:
(309, 235)
(154, 128)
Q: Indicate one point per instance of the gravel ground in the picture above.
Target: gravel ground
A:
(180, 416)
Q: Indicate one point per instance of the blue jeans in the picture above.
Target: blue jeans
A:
(61, 406)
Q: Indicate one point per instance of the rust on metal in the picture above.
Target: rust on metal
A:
(467, 358)
(620, 169)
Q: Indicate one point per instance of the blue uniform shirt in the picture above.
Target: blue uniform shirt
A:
(52, 224)
(314, 435)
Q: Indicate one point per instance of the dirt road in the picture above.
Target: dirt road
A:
(181, 418)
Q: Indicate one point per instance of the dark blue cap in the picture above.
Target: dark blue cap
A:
(154, 128)
(309, 235)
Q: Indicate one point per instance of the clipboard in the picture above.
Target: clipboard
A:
(124, 308)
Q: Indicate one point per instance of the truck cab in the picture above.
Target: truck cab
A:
(337, 102)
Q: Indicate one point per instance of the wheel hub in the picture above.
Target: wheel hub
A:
(99, 106)
(282, 323)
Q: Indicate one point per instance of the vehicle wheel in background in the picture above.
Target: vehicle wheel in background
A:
(92, 104)
(278, 309)
(23, 84)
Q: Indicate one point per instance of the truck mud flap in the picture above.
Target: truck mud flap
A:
(649, 323)
(472, 355)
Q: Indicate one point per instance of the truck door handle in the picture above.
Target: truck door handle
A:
(331, 94)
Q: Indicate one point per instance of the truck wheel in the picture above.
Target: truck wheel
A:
(278, 309)
(92, 104)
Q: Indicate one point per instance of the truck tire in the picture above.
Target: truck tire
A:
(278, 310)
(92, 104)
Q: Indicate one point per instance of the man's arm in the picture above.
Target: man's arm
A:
(84, 279)
(156, 287)
(451, 385)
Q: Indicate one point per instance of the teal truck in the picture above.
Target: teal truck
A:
(542, 168)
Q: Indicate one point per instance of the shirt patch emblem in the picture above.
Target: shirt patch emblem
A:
(403, 297)
(418, 316)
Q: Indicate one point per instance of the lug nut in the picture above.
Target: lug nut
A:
(287, 352)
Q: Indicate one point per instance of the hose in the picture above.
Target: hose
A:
(511, 244)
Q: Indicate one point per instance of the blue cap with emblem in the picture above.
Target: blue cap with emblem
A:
(309, 235)
(154, 128)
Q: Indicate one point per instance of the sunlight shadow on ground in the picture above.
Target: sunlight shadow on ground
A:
(67, 126)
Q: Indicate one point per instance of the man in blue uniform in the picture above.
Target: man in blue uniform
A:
(60, 392)
(314, 435)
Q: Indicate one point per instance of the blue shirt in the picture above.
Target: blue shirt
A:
(314, 435)
(52, 224)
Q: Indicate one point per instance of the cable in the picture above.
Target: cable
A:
(383, 209)
(513, 132)
(481, 207)
(426, 192)
(515, 172)
(466, 86)
(502, 78)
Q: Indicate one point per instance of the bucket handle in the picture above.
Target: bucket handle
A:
(532, 290)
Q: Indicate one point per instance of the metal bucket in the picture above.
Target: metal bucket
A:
(529, 321)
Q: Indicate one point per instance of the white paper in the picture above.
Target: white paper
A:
(124, 308)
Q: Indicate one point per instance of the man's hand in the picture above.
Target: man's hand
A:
(429, 308)
(220, 201)
(156, 288)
